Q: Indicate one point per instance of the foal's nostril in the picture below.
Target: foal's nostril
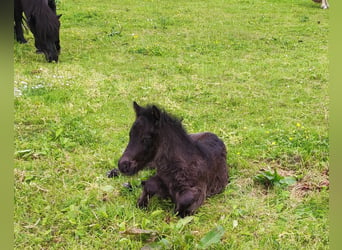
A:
(124, 166)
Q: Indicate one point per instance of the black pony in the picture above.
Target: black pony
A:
(43, 22)
(189, 167)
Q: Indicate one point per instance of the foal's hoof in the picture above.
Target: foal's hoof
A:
(184, 212)
(39, 51)
(113, 173)
(142, 204)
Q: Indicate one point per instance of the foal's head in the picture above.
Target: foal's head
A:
(143, 140)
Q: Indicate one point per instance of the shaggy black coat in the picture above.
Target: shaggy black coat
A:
(189, 167)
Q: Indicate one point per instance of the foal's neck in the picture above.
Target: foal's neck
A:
(174, 143)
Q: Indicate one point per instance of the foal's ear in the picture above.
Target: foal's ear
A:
(155, 113)
(137, 108)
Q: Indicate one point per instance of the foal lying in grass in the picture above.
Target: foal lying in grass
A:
(189, 167)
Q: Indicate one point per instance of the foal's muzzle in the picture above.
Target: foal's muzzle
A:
(127, 167)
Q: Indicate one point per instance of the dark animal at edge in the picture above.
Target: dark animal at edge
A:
(189, 168)
(43, 22)
(324, 3)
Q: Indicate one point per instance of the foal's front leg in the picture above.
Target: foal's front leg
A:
(188, 201)
(151, 187)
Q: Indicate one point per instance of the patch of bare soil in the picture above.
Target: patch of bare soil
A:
(311, 183)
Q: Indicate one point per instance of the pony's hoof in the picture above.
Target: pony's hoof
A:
(38, 51)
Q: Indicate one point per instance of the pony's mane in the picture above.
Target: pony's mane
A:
(46, 20)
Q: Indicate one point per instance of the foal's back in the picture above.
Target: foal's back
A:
(215, 150)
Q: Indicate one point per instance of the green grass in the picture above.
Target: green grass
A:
(253, 72)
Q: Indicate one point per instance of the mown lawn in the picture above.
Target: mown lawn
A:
(253, 72)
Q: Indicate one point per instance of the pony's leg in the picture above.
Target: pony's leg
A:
(18, 28)
(188, 201)
(325, 4)
(151, 187)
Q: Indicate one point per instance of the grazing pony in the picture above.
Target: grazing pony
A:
(189, 167)
(43, 22)
(324, 3)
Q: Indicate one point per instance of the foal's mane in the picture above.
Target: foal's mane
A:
(168, 120)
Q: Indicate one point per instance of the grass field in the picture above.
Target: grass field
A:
(253, 72)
